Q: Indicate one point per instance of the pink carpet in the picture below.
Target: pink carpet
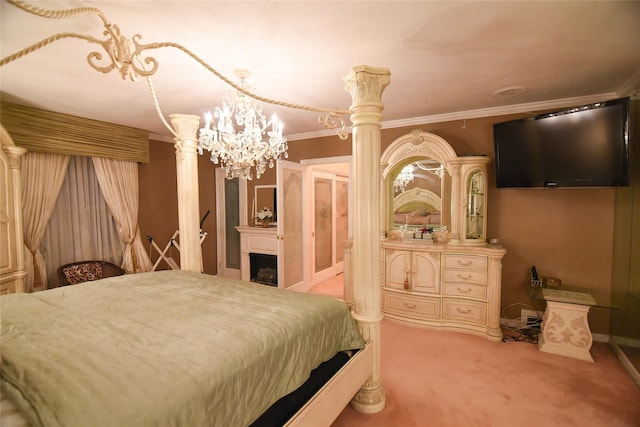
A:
(444, 379)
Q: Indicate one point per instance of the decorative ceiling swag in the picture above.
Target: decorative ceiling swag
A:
(126, 57)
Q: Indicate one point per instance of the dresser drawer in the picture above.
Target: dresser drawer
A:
(467, 311)
(466, 276)
(417, 307)
(466, 261)
(471, 290)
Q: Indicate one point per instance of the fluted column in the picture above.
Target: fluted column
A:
(15, 274)
(186, 145)
(366, 84)
(456, 203)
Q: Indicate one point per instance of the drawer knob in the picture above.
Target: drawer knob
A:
(463, 290)
(406, 304)
(463, 311)
(464, 276)
(464, 263)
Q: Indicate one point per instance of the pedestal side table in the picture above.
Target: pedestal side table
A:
(565, 326)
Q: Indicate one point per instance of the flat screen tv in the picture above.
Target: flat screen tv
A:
(585, 146)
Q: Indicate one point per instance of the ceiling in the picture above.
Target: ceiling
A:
(445, 57)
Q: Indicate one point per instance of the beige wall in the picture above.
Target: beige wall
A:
(566, 233)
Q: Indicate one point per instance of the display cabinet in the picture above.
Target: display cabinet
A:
(473, 199)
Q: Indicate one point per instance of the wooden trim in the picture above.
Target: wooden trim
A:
(325, 406)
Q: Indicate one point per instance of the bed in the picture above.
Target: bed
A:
(417, 206)
(174, 348)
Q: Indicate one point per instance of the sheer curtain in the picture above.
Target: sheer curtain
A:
(42, 175)
(81, 226)
(119, 183)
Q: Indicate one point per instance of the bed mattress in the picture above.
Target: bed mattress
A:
(164, 348)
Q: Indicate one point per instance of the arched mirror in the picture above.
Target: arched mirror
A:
(417, 182)
(417, 193)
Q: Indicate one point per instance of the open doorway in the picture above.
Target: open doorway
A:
(330, 223)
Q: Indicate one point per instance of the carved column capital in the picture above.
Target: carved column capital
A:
(186, 126)
(366, 84)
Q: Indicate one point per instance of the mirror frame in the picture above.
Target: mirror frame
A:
(257, 201)
(413, 146)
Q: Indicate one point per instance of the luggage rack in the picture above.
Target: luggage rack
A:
(165, 254)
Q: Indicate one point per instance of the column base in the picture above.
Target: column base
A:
(370, 399)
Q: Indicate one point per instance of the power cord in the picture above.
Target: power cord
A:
(519, 328)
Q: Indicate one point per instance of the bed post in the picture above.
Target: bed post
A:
(366, 84)
(186, 145)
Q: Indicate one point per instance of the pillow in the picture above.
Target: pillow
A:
(421, 211)
(83, 272)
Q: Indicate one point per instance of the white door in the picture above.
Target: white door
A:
(230, 210)
(291, 228)
(330, 216)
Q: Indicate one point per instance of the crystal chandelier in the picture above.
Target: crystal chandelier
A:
(237, 139)
(404, 177)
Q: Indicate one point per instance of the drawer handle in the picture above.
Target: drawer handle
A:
(464, 276)
(406, 304)
(464, 291)
(464, 263)
(465, 311)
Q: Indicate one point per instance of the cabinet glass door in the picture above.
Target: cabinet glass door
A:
(476, 186)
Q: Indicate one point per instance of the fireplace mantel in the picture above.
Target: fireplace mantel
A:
(261, 240)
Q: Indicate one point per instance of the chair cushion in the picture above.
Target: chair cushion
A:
(83, 272)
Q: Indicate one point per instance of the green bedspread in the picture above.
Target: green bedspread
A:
(168, 348)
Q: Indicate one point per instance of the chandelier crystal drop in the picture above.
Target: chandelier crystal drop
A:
(239, 136)
(404, 177)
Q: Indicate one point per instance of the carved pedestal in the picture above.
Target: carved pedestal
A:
(565, 330)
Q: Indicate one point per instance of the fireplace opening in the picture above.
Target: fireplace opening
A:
(263, 269)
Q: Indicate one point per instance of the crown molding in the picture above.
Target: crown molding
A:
(468, 114)
(499, 111)
(630, 86)
(476, 114)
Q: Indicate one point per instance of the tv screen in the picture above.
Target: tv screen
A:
(585, 146)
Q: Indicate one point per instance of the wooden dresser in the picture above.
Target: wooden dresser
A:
(443, 286)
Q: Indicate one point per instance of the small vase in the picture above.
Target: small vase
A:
(265, 223)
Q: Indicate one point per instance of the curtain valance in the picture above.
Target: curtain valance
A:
(49, 132)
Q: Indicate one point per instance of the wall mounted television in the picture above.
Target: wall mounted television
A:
(585, 146)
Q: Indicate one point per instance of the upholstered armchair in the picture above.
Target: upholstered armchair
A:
(85, 271)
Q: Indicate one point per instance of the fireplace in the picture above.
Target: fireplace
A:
(263, 269)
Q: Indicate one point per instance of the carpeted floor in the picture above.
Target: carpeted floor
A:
(448, 379)
(434, 378)
(333, 287)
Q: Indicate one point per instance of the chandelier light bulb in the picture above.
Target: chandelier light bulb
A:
(404, 177)
(240, 139)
